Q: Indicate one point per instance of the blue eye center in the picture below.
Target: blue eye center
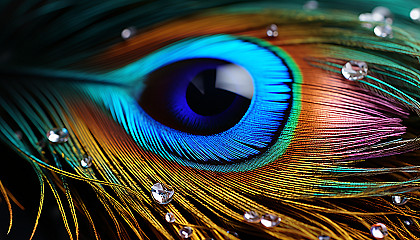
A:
(200, 96)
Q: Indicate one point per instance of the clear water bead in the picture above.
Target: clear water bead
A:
(162, 193)
(415, 14)
(379, 231)
(311, 5)
(272, 30)
(324, 237)
(185, 232)
(378, 15)
(58, 135)
(366, 17)
(383, 31)
(128, 33)
(408, 222)
(86, 162)
(354, 70)
(382, 14)
(252, 216)
(233, 233)
(399, 200)
(170, 217)
(270, 220)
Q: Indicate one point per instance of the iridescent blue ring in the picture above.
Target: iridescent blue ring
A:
(258, 138)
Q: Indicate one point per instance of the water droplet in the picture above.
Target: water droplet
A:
(415, 14)
(324, 237)
(389, 21)
(252, 216)
(310, 5)
(185, 232)
(162, 193)
(272, 30)
(408, 222)
(354, 70)
(378, 15)
(270, 220)
(366, 17)
(381, 14)
(383, 31)
(379, 231)
(399, 200)
(58, 135)
(128, 33)
(170, 217)
(86, 162)
(233, 233)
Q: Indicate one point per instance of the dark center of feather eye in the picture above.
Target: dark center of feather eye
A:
(205, 94)
(200, 96)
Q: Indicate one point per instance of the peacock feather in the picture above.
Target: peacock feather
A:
(236, 106)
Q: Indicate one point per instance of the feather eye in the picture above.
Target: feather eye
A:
(286, 136)
(273, 102)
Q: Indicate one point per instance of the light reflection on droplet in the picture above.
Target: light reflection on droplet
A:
(252, 216)
(162, 193)
(384, 31)
(170, 217)
(311, 5)
(354, 70)
(272, 30)
(399, 200)
(381, 13)
(128, 33)
(270, 220)
(415, 14)
(86, 162)
(379, 231)
(233, 233)
(408, 222)
(185, 232)
(58, 135)
(324, 237)
(366, 17)
(378, 15)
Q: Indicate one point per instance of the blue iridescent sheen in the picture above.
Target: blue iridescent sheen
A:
(266, 121)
